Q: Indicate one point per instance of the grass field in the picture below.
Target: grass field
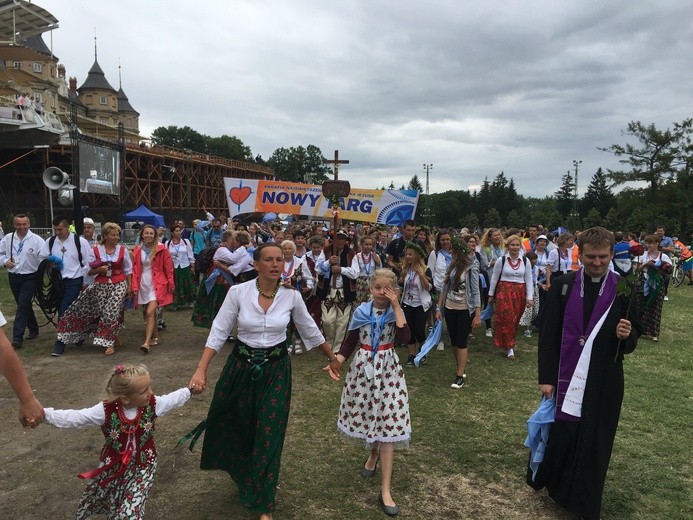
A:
(466, 458)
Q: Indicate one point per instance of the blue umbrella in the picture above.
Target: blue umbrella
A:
(431, 341)
(269, 217)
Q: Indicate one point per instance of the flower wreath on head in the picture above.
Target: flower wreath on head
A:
(457, 245)
(409, 244)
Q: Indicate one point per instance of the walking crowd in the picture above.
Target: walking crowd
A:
(363, 292)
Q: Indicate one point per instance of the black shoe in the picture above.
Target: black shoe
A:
(365, 472)
(16, 344)
(58, 350)
(423, 360)
(79, 343)
(410, 361)
(458, 382)
(32, 335)
(388, 510)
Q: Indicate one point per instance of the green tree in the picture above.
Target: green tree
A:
(565, 195)
(613, 221)
(598, 195)
(513, 219)
(470, 220)
(593, 218)
(492, 218)
(299, 164)
(415, 184)
(183, 138)
(229, 147)
(554, 220)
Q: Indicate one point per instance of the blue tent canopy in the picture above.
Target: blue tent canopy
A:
(144, 214)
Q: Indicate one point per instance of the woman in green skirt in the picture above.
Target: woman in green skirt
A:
(215, 284)
(246, 422)
(183, 268)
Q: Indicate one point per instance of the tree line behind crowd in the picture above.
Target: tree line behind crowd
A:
(654, 184)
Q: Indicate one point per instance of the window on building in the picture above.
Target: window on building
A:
(17, 64)
(103, 100)
(103, 120)
(38, 67)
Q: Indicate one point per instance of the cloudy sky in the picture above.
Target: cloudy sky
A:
(473, 88)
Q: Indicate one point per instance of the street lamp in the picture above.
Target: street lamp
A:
(576, 211)
(427, 209)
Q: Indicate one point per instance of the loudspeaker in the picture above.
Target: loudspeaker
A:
(54, 178)
(65, 196)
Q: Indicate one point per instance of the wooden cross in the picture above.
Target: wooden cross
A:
(335, 163)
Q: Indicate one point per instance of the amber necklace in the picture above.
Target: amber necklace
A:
(263, 293)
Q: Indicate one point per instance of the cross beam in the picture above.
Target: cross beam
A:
(335, 163)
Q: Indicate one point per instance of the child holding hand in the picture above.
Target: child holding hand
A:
(119, 487)
(375, 403)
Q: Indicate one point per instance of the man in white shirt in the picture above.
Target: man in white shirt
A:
(76, 255)
(19, 253)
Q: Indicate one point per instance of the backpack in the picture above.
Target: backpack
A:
(78, 245)
(204, 260)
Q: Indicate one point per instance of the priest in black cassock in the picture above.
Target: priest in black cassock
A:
(585, 334)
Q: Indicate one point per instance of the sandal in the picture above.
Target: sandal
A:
(155, 341)
(109, 351)
(144, 348)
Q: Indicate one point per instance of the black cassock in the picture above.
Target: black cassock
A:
(577, 453)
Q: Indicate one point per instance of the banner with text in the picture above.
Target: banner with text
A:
(390, 207)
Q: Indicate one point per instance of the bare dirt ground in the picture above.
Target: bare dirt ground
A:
(38, 467)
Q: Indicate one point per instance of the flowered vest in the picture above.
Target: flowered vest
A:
(124, 434)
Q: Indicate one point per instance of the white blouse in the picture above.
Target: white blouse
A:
(96, 415)
(258, 329)
(523, 274)
(181, 253)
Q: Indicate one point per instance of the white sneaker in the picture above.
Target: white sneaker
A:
(441, 346)
(666, 298)
(511, 354)
(298, 349)
(528, 333)
(489, 333)
(290, 349)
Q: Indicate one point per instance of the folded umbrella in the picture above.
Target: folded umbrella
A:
(538, 427)
(431, 341)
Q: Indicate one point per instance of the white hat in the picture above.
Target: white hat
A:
(542, 237)
(88, 221)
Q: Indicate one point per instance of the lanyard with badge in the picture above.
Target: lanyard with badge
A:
(376, 334)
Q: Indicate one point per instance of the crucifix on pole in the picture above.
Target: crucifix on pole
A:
(335, 189)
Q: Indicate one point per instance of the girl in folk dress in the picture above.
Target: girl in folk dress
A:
(365, 263)
(120, 485)
(375, 403)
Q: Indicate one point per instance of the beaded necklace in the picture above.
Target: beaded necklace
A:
(263, 293)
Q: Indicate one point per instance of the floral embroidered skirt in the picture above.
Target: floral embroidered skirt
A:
(375, 410)
(121, 499)
(246, 426)
(185, 291)
(207, 305)
(651, 309)
(97, 312)
(508, 308)
(532, 312)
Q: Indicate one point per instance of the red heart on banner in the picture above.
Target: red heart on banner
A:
(239, 195)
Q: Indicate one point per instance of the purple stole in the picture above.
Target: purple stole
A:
(573, 339)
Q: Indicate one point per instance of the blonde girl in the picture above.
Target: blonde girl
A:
(416, 281)
(119, 487)
(375, 404)
(152, 280)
